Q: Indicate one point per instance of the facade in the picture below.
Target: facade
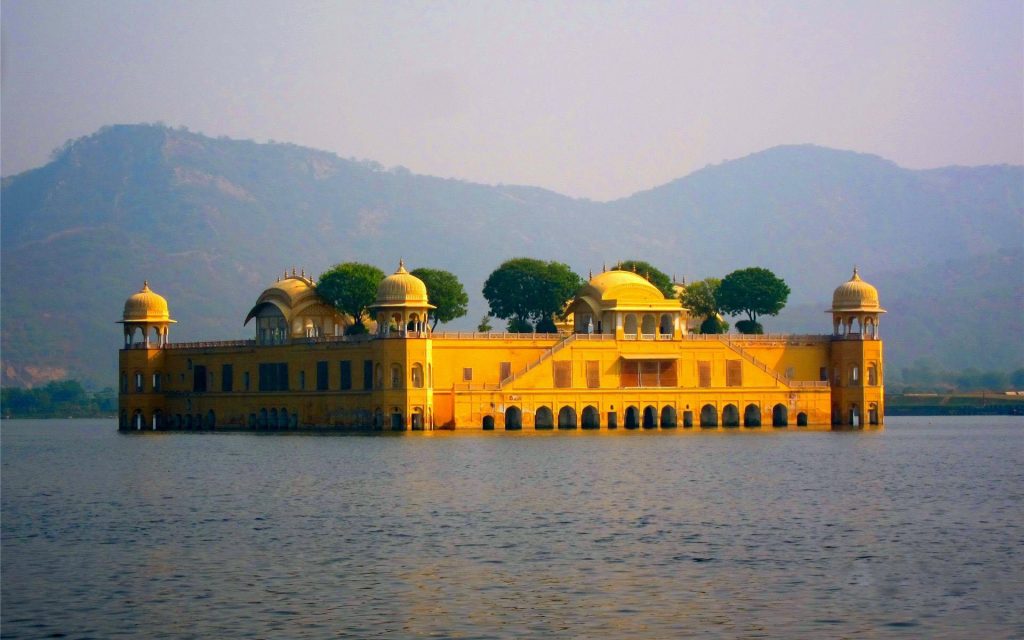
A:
(625, 359)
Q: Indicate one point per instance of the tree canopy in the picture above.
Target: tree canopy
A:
(445, 292)
(700, 298)
(754, 291)
(351, 287)
(527, 291)
(654, 275)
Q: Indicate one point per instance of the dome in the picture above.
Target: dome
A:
(146, 306)
(624, 286)
(401, 289)
(855, 295)
(291, 293)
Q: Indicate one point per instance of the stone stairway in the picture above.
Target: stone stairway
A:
(561, 344)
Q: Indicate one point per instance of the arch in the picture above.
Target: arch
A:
(123, 421)
(272, 419)
(139, 388)
(855, 325)
(854, 415)
(708, 416)
(873, 417)
(488, 423)
(282, 418)
(780, 416)
(293, 420)
(869, 328)
(187, 424)
(566, 418)
(378, 376)
(854, 375)
(687, 419)
(752, 416)
(668, 417)
(378, 420)
(544, 419)
(262, 421)
(417, 375)
(417, 419)
(873, 374)
(513, 419)
(156, 381)
(398, 420)
(632, 417)
(629, 325)
(730, 416)
(138, 420)
(211, 420)
(591, 418)
(801, 419)
(665, 324)
(252, 420)
(178, 422)
(396, 376)
(649, 324)
(650, 417)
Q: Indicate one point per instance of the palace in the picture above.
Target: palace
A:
(625, 358)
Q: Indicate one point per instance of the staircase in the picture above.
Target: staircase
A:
(544, 356)
(781, 379)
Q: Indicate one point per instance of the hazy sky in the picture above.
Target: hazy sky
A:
(594, 99)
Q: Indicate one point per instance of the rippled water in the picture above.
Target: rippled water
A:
(916, 531)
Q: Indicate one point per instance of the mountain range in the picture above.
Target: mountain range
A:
(211, 222)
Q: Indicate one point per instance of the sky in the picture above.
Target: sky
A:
(590, 99)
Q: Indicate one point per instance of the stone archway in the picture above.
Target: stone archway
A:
(668, 417)
(567, 418)
(590, 418)
(708, 416)
(650, 417)
(632, 418)
(544, 419)
(730, 416)
(780, 416)
(752, 416)
(513, 419)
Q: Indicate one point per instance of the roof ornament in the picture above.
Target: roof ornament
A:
(293, 272)
(856, 273)
(145, 285)
(303, 273)
(590, 274)
(604, 267)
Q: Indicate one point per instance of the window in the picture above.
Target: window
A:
(733, 373)
(321, 375)
(396, 376)
(417, 376)
(648, 373)
(124, 382)
(199, 377)
(138, 382)
(273, 376)
(504, 370)
(245, 380)
(227, 378)
(593, 374)
(823, 374)
(563, 374)
(345, 373)
(790, 372)
(156, 382)
(367, 375)
(302, 381)
(704, 374)
(467, 374)
(854, 375)
(872, 374)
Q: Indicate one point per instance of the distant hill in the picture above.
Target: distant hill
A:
(210, 222)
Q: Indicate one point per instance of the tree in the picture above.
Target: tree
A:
(700, 298)
(445, 292)
(654, 275)
(351, 287)
(754, 291)
(527, 291)
(485, 324)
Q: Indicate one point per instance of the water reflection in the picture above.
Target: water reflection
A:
(909, 532)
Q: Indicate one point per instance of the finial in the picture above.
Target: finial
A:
(604, 267)
(634, 268)
(145, 285)
(647, 275)
(293, 272)
(401, 264)
(590, 274)
(856, 273)
(303, 272)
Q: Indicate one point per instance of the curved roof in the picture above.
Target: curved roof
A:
(402, 289)
(623, 287)
(856, 295)
(287, 294)
(146, 306)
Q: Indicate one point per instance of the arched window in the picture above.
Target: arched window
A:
(752, 416)
(668, 417)
(854, 375)
(396, 376)
(665, 326)
(156, 381)
(730, 416)
(872, 374)
(378, 376)
(649, 325)
(417, 376)
(780, 416)
(708, 416)
(629, 327)
(632, 418)
(488, 423)
(513, 419)
(650, 417)
(138, 381)
(544, 419)
(567, 418)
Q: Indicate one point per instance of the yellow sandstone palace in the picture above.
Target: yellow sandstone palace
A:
(626, 359)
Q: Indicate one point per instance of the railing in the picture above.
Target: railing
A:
(476, 335)
(210, 344)
(544, 356)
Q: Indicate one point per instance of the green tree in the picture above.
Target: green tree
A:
(754, 291)
(485, 324)
(527, 291)
(351, 287)
(445, 292)
(654, 275)
(701, 298)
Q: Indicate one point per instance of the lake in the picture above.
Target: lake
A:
(913, 531)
